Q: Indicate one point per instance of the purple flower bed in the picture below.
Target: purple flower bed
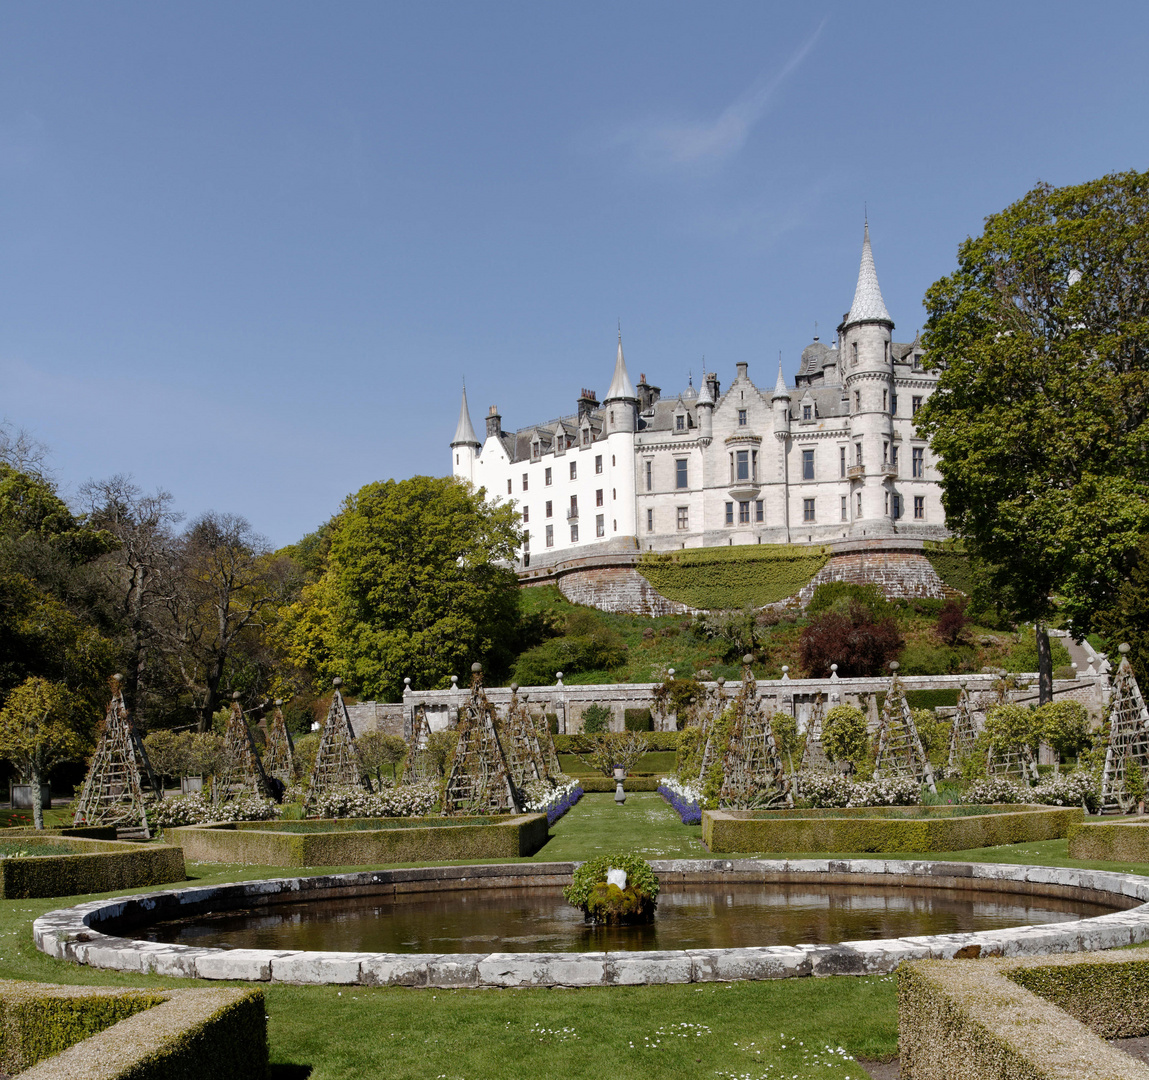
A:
(690, 812)
(564, 804)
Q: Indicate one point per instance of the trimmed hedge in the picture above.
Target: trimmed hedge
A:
(267, 843)
(101, 1033)
(631, 783)
(637, 720)
(1110, 841)
(951, 564)
(655, 740)
(804, 830)
(89, 866)
(733, 577)
(1043, 1017)
(84, 832)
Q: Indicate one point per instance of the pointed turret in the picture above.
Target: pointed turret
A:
(704, 410)
(621, 388)
(868, 305)
(465, 432)
(780, 402)
(780, 390)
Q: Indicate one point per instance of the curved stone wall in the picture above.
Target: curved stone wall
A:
(92, 933)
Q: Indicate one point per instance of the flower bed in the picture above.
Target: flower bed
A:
(685, 798)
(928, 828)
(405, 801)
(1064, 789)
(555, 802)
(822, 789)
(192, 809)
(364, 841)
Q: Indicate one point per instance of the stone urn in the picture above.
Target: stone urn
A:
(619, 776)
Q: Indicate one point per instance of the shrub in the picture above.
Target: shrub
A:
(305, 750)
(820, 789)
(595, 719)
(924, 659)
(1065, 726)
(1013, 727)
(608, 750)
(408, 800)
(379, 751)
(1023, 656)
(844, 596)
(602, 649)
(857, 643)
(994, 789)
(639, 876)
(688, 758)
(441, 749)
(637, 720)
(844, 734)
(1067, 789)
(192, 809)
(952, 622)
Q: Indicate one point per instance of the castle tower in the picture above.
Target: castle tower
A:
(781, 404)
(704, 409)
(620, 415)
(865, 344)
(465, 446)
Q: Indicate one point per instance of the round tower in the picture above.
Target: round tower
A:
(620, 423)
(465, 446)
(865, 344)
(704, 410)
(781, 405)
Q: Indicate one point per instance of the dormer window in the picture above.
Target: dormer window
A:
(586, 436)
(807, 412)
(536, 450)
(680, 422)
(917, 361)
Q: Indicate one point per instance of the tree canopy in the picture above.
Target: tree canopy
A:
(1041, 413)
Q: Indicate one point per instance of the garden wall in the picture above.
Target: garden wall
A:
(1033, 1018)
(859, 830)
(65, 1032)
(89, 866)
(364, 842)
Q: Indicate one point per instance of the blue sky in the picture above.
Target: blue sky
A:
(251, 250)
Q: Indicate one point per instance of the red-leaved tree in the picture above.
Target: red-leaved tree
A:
(858, 643)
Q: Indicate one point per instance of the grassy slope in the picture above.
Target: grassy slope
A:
(350, 1033)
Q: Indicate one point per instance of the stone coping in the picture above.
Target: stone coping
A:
(73, 934)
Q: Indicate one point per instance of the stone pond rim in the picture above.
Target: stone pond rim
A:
(73, 933)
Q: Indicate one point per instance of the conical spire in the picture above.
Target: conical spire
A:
(868, 305)
(704, 397)
(465, 433)
(620, 386)
(780, 390)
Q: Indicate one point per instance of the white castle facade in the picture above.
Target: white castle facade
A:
(836, 456)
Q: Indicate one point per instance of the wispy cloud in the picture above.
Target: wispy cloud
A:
(676, 145)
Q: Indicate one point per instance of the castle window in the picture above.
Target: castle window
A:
(548, 508)
(754, 465)
(536, 450)
(573, 511)
(841, 461)
(550, 536)
(744, 513)
(885, 452)
(729, 513)
(508, 485)
(598, 497)
(845, 509)
(526, 541)
(741, 417)
(919, 463)
(680, 478)
(807, 509)
(612, 461)
(614, 524)
(599, 525)
(743, 471)
(807, 464)
(574, 470)
(917, 361)
(897, 501)
(894, 455)
(650, 521)
(613, 494)
(598, 463)
(526, 514)
(574, 534)
(858, 505)
(886, 351)
(915, 403)
(524, 481)
(857, 401)
(919, 507)
(683, 517)
(547, 478)
(854, 354)
(858, 449)
(885, 401)
(759, 510)
(887, 504)
(612, 417)
(807, 412)
(680, 423)
(649, 470)
(456, 459)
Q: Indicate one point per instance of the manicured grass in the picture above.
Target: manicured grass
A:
(10, 819)
(767, 1029)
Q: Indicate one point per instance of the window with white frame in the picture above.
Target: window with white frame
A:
(574, 534)
(807, 464)
(650, 521)
(547, 478)
(680, 473)
(683, 517)
(807, 509)
(574, 470)
(744, 512)
(598, 497)
(845, 509)
(919, 507)
(759, 510)
(919, 462)
(598, 463)
(600, 525)
(550, 536)
(548, 508)
(729, 513)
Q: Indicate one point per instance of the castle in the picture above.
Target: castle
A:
(836, 456)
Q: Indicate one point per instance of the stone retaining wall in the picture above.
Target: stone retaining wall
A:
(89, 933)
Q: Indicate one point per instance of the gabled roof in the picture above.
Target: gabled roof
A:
(868, 305)
(620, 386)
(464, 432)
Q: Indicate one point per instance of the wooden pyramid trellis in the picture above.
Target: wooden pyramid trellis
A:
(1128, 737)
(963, 733)
(241, 772)
(900, 750)
(337, 759)
(479, 781)
(419, 767)
(525, 759)
(1015, 762)
(546, 743)
(278, 758)
(814, 756)
(113, 789)
(707, 723)
(752, 769)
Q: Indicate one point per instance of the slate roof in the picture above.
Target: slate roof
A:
(868, 305)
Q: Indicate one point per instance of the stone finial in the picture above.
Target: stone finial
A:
(558, 676)
(514, 688)
(406, 684)
(476, 667)
(337, 682)
(278, 702)
(117, 678)
(785, 671)
(235, 695)
(748, 659)
(721, 680)
(670, 672)
(1123, 648)
(833, 671)
(454, 682)
(894, 665)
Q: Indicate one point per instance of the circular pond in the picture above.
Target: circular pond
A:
(539, 920)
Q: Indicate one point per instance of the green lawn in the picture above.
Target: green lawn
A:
(755, 1030)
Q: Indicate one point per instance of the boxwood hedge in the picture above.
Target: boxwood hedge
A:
(1110, 841)
(89, 866)
(804, 830)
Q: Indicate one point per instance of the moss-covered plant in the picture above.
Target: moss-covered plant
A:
(605, 903)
